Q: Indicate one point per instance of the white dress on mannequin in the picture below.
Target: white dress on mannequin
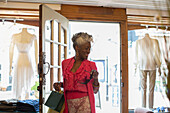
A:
(23, 69)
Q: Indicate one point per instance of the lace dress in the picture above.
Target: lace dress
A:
(23, 69)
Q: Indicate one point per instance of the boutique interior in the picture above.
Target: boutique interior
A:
(36, 38)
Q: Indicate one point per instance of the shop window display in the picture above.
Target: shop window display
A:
(160, 98)
(8, 64)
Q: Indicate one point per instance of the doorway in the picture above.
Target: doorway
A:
(105, 52)
(110, 65)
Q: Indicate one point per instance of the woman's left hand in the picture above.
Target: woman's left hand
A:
(95, 82)
(95, 74)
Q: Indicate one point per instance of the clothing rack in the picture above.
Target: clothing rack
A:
(156, 26)
(11, 19)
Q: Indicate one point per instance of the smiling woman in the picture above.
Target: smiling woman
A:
(82, 45)
(76, 73)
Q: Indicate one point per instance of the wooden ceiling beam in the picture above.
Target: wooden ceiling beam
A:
(92, 13)
(18, 15)
(26, 6)
(134, 27)
(132, 15)
(146, 12)
(18, 9)
(30, 22)
(151, 24)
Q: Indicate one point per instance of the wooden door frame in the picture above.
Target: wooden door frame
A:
(103, 14)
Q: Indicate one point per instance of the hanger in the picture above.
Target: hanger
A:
(28, 29)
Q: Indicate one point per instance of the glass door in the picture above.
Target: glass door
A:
(52, 50)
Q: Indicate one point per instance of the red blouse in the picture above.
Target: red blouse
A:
(73, 81)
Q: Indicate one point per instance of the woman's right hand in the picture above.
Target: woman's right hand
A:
(57, 86)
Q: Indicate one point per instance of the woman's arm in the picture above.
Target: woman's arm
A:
(96, 84)
(96, 87)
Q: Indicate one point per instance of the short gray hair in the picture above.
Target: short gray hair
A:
(80, 38)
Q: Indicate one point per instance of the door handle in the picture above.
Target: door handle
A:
(48, 68)
(122, 84)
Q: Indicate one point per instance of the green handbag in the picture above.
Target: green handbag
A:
(56, 101)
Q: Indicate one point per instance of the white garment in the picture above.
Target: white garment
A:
(148, 57)
(23, 70)
(147, 52)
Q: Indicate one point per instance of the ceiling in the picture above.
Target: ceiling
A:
(139, 12)
(137, 4)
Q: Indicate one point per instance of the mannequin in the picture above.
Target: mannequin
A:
(23, 70)
(148, 57)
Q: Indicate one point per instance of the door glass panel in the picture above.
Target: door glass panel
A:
(48, 30)
(55, 31)
(55, 54)
(62, 35)
(48, 53)
(105, 52)
(47, 48)
(55, 74)
(62, 53)
(47, 44)
(63, 43)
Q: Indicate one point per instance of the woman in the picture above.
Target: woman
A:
(80, 77)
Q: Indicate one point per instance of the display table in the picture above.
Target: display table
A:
(19, 106)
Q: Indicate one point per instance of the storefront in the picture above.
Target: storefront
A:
(53, 31)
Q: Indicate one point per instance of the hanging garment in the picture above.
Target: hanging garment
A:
(23, 69)
(148, 57)
(147, 53)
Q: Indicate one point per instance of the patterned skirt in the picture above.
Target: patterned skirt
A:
(79, 105)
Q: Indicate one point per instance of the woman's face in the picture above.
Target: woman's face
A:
(84, 50)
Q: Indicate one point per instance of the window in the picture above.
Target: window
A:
(7, 30)
(135, 92)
